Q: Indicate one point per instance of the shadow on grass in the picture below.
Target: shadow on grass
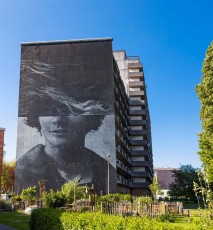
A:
(16, 220)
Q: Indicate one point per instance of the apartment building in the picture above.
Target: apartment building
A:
(138, 126)
(83, 114)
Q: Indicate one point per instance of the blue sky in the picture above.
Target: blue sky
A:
(170, 37)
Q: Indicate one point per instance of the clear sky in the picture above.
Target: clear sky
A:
(170, 37)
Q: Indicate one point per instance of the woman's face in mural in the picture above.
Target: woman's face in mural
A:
(61, 131)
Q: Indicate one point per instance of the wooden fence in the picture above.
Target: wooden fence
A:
(151, 210)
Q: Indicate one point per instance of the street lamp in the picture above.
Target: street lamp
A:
(108, 156)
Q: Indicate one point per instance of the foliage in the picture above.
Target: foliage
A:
(183, 182)
(100, 221)
(16, 198)
(29, 194)
(205, 94)
(3, 204)
(166, 218)
(116, 197)
(155, 188)
(71, 189)
(143, 200)
(45, 219)
(8, 176)
(53, 199)
(74, 220)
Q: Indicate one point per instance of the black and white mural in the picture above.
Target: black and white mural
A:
(66, 117)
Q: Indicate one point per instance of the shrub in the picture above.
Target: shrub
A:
(109, 222)
(53, 199)
(16, 198)
(117, 197)
(29, 194)
(4, 204)
(143, 201)
(45, 219)
(166, 218)
(70, 188)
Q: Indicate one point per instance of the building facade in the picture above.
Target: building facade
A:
(165, 177)
(78, 120)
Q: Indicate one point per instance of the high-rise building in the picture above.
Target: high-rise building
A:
(138, 126)
(83, 114)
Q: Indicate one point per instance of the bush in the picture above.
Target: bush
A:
(117, 197)
(45, 219)
(109, 222)
(166, 218)
(16, 198)
(4, 204)
(53, 199)
(29, 194)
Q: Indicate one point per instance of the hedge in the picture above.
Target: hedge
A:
(48, 218)
(45, 219)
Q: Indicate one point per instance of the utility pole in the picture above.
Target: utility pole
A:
(108, 156)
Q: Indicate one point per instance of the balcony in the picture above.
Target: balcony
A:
(125, 157)
(138, 132)
(138, 142)
(136, 84)
(136, 93)
(135, 65)
(135, 74)
(123, 181)
(137, 112)
(140, 185)
(142, 174)
(136, 102)
(144, 153)
(137, 122)
(123, 169)
(140, 163)
(122, 128)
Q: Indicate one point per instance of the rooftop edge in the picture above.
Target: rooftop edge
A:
(66, 41)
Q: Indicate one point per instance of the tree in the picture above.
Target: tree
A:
(29, 195)
(8, 176)
(183, 182)
(72, 191)
(155, 188)
(205, 94)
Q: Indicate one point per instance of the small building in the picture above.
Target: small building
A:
(165, 178)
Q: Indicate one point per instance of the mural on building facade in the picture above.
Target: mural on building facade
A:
(65, 101)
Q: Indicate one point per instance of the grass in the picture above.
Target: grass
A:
(185, 222)
(16, 220)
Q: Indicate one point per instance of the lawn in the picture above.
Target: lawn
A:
(16, 220)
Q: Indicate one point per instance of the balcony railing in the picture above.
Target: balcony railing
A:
(126, 156)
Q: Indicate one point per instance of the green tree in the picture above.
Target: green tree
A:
(73, 191)
(29, 194)
(155, 188)
(183, 184)
(205, 94)
(8, 176)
